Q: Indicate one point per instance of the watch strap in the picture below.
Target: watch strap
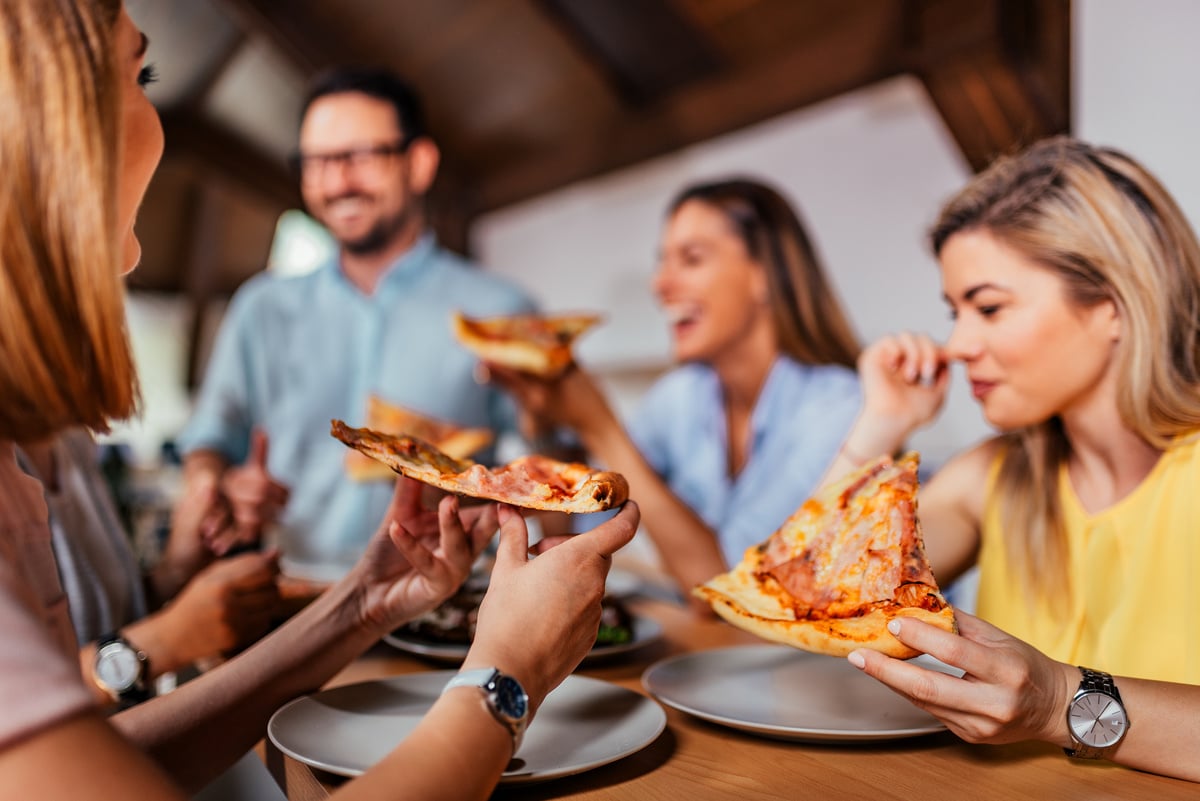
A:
(486, 680)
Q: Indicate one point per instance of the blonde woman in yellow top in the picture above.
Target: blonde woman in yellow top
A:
(1074, 282)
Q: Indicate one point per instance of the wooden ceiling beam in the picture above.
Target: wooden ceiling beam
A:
(1004, 80)
(857, 54)
(217, 151)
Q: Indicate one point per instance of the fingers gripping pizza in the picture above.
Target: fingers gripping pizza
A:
(533, 482)
(449, 438)
(849, 560)
(530, 343)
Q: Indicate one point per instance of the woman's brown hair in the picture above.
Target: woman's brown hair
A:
(809, 323)
(1111, 232)
(64, 354)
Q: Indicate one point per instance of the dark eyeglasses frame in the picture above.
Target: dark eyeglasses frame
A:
(354, 158)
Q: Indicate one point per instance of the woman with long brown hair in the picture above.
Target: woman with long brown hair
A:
(1074, 281)
(726, 446)
(78, 144)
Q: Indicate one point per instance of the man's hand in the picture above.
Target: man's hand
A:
(254, 498)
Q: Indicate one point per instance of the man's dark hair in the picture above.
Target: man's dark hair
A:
(374, 82)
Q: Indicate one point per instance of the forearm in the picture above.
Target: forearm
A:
(204, 461)
(201, 728)
(456, 753)
(164, 646)
(870, 437)
(1164, 727)
(689, 549)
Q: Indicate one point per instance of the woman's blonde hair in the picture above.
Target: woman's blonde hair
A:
(1111, 232)
(64, 354)
(809, 323)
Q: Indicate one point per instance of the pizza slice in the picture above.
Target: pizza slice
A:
(451, 439)
(849, 560)
(532, 482)
(531, 343)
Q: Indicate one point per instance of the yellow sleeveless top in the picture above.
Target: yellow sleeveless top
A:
(1134, 600)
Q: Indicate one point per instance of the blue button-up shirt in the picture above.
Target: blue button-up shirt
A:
(799, 421)
(294, 353)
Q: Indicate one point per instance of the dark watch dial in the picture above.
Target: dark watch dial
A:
(511, 700)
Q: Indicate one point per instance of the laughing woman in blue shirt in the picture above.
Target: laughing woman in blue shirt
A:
(727, 445)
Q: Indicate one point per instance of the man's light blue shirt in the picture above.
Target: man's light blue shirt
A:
(294, 353)
(799, 422)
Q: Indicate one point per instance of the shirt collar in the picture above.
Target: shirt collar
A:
(413, 263)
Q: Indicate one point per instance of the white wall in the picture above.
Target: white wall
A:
(868, 170)
(1136, 86)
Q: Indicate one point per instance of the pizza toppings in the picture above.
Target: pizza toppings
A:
(530, 343)
(534, 482)
(847, 561)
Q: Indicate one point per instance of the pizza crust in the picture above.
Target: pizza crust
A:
(532, 482)
(530, 343)
(738, 600)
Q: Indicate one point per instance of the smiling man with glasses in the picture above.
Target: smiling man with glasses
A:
(294, 353)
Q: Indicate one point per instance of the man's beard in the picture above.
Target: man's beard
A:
(381, 235)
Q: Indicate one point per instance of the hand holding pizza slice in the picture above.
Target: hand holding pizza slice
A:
(532, 482)
(529, 343)
(849, 560)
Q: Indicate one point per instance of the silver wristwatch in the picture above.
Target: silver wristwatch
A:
(505, 698)
(1096, 718)
(121, 670)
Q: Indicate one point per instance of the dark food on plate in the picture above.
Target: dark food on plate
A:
(453, 623)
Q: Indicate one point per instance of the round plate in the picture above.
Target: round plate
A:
(583, 724)
(788, 694)
(645, 631)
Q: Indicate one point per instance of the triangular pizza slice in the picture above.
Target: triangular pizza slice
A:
(531, 343)
(849, 560)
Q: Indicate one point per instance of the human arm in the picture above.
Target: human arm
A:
(537, 622)
(415, 560)
(689, 549)
(228, 605)
(904, 381)
(1011, 691)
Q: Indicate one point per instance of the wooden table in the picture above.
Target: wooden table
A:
(693, 759)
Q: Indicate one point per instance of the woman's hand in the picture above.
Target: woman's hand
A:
(540, 617)
(572, 399)
(1009, 691)
(418, 557)
(225, 607)
(904, 380)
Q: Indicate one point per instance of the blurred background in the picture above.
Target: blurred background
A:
(566, 126)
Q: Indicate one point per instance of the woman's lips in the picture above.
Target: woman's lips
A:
(981, 388)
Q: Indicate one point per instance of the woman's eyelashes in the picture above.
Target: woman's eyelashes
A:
(147, 75)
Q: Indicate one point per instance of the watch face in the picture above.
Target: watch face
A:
(1097, 720)
(511, 699)
(117, 666)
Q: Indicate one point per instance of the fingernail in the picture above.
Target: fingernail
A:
(894, 626)
(856, 658)
(928, 376)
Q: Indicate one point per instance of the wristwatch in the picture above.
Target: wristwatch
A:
(505, 698)
(1096, 718)
(121, 670)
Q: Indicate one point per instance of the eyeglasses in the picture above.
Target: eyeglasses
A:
(310, 166)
